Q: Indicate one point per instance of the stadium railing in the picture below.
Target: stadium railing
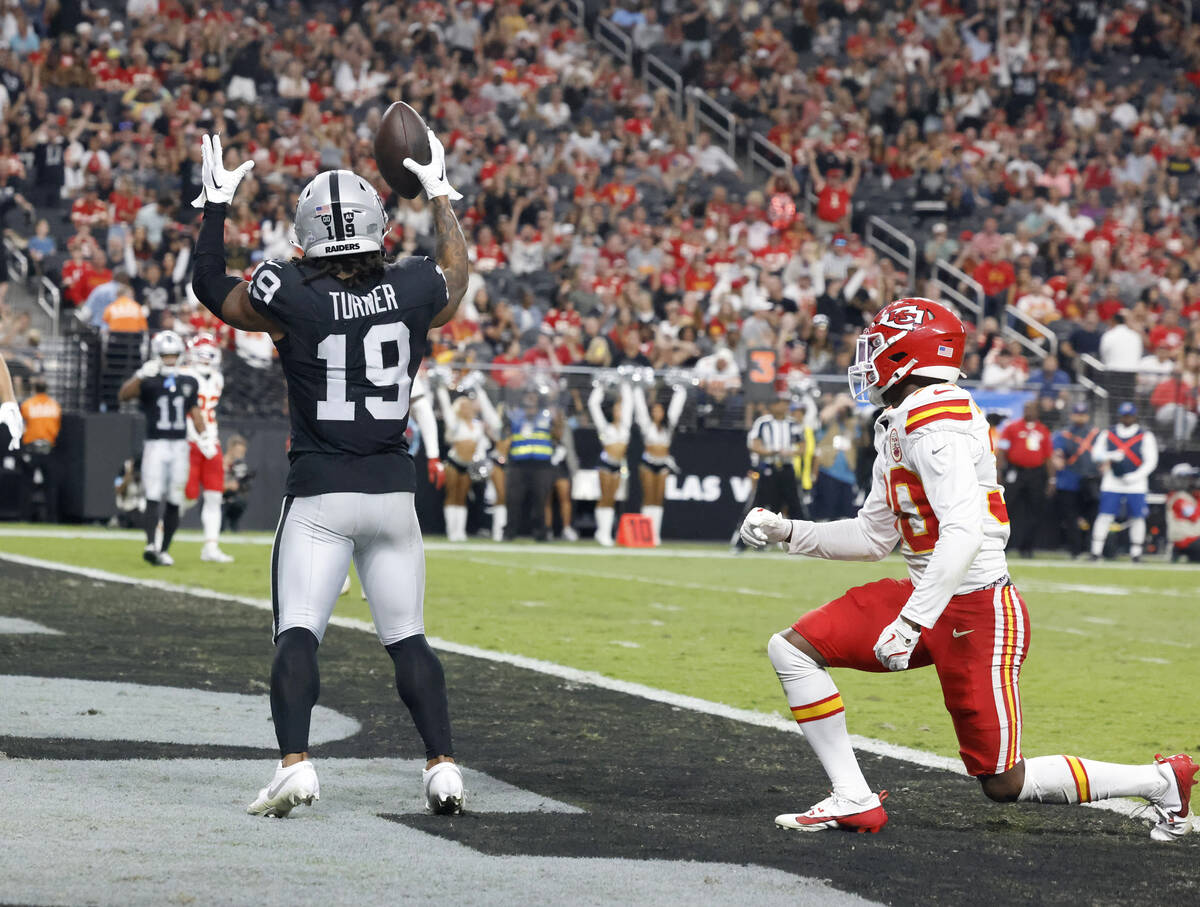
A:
(898, 246)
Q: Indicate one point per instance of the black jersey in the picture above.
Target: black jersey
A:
(349, 355)
(166, 401)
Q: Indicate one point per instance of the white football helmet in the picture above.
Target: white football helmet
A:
(167, 343)
(204, 354)
(339, 213)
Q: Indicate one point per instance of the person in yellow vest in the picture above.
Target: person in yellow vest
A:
(43, 421)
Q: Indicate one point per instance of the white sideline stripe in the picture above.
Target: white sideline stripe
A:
(583, 549)
(625, 578)
(574, 675)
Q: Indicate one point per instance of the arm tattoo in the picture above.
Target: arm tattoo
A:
(451, 253)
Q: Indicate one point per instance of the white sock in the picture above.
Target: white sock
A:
(817, 707)
(499, 521)
(460, 523)
(210, 516)
(1137, 537)
(655, 512)
(1069, 779)
(448, 516)
(1100, 532)
(604, 524)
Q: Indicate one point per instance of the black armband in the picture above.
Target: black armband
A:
(209, 280)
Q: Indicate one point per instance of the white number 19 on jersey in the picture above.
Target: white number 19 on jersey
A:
(335, 407)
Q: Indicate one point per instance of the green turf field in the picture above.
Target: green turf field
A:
(1112, 671)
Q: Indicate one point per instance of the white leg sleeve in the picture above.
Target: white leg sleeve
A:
(210, 515)
(655, 513)
(817, 707)
(1069, 779)
(1100, 532)
(604, 525)
(1137, 536)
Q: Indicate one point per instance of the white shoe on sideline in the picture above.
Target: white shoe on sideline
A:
(289, 787)
(165, 560)
(210, 552)
(569, 534)
(443, 786)
(345, 585)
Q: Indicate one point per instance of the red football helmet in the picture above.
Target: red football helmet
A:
(911, 336)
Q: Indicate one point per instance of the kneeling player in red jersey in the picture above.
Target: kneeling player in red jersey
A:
(934, 488)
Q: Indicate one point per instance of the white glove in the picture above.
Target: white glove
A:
(10, 417)
(218, 183)
(896, 643)
(761, 528)
(433, 175)
(150, 369)
(208, 448)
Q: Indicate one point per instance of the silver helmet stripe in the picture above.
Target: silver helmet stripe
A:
(335, 205)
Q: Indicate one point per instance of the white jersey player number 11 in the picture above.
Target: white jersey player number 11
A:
(335, 407)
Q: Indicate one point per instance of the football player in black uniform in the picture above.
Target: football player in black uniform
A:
(168, 398)
(350, 328)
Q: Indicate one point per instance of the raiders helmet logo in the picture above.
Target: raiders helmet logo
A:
(894, 441)
(326, 219)
(905, 317)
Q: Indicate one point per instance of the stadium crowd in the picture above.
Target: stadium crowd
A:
(1047, 150)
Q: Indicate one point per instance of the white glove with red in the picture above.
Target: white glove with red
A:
(895, 645)
(208, 448)
(762, 528)
(10, 418)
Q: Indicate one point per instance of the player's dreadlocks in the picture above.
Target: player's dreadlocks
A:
(363, 267)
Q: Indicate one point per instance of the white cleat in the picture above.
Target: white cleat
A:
(210, 552)
(165, 560)
(1173, 808)
(443, 789)
(345, 585)
(835, 811)
(569, 534)
(605, 541)
(289, 787)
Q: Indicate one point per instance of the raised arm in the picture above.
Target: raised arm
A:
(626, 408)
(641, 413)
(449, 416)
(225, 296)
(491, 418)
(675, 407)
(595, 399)
(451, 250)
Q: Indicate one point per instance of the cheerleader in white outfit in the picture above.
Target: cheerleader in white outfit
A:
(657, 425)
(614, 438)
(466, 439)
(494, 425)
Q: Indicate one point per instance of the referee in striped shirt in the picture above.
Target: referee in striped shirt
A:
(775, 440)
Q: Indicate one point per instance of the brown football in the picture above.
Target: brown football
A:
(402, 133)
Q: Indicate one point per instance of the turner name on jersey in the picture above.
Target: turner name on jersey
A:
(349, 355)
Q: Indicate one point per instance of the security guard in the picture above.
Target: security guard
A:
(1075, 480)
(534, 431)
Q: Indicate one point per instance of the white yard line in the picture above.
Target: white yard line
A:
(575, 675)
(587, 549)
(626, 578)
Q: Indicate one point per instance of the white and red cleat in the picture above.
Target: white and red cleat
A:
(1180, 772)
(863, 816)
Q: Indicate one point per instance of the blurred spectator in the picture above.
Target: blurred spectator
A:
(1121, 346)
(1023, 458)
(43, 421)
